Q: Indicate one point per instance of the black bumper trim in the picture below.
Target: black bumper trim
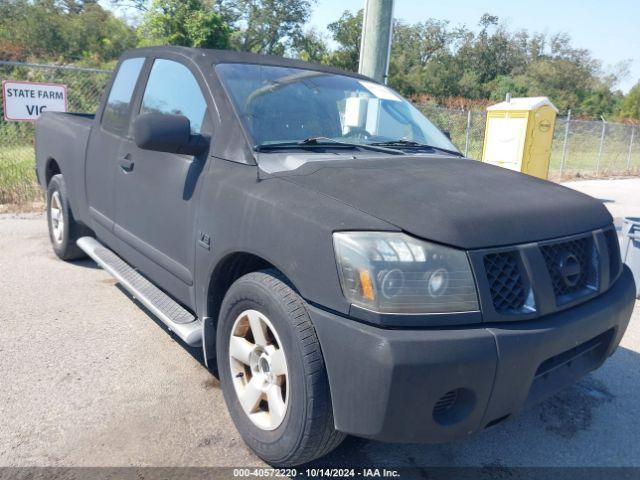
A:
(385, 383)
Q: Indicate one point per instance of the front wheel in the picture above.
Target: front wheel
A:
(272, 372)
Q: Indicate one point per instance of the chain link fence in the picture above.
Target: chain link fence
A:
(465, 127)
(84, 87)
(580, 147)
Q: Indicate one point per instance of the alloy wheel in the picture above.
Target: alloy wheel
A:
(57, 218)
(259, 369)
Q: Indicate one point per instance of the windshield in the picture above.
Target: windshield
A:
(290, 105)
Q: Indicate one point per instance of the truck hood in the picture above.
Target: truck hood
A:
(458, 202)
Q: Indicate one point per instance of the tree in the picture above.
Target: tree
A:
(311, 47)
(183, 22)
(266, 26)
(94, 33)
(432, 58)
(630, 104)
(413, 48)
(346, 32)
(503, 84)
(50, 30)
(442, 61)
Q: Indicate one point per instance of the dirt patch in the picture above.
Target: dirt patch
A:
(208, 441)
(211, 383)
(571, 411)
(27, 207)
(577, 176)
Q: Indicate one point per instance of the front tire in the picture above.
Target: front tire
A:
(63, 229)
(272, 372)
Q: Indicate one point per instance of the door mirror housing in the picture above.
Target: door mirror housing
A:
(167, 133)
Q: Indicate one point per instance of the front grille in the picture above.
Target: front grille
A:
(573, 266)
(540, 278)
(506, 284)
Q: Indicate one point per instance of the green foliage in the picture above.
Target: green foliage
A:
(17, 179)
(346, 32)
(311, 47)
(414, 47)
(433, 59)
(442, 61)
(630, 105)
(504, 84)
(186, 23)
(266, 26)
(63, 31)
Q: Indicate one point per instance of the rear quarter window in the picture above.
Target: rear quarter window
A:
(116, 112)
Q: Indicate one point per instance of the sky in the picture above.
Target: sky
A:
(609, 29)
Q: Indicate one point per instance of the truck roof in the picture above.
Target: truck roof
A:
(207, 57)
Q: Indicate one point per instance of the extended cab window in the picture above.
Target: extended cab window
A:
(116, 112)
(172, 89)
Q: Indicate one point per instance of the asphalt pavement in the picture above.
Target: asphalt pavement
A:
(88, 378)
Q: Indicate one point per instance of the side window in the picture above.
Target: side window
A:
(116, 112)
(172, 89)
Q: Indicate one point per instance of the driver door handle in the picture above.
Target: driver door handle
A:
(126, 164)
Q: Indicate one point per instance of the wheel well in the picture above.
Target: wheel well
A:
(228, 271)
(50, 170)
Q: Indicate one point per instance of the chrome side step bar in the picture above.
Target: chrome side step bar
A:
(173, 315)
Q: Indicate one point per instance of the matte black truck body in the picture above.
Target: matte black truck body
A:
(192, 224)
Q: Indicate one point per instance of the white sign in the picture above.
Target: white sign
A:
(25, 101)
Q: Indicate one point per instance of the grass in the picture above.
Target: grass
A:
(18, 184)
(19, 189)
(582, 156)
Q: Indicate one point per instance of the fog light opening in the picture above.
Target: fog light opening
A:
(454, 406)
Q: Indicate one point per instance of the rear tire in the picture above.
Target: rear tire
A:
(303, 427)
(63, 229)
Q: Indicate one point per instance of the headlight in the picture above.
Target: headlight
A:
(390, 272)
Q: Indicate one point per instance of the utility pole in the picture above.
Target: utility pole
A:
(375, 44)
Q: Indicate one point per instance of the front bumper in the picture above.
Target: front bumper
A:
(391, 385)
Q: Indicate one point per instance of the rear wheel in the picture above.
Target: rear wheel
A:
(272, 372)
(63, 229)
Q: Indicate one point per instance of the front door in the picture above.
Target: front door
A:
(104, 144)
(155, 191)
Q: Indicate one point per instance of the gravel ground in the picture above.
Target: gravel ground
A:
(90, 379)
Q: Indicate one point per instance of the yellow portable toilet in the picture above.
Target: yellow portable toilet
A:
(519, 133)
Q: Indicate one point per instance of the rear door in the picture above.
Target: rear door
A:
(156, 191)
(105, 142)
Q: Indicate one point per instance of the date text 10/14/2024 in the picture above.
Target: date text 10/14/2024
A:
(317, 472)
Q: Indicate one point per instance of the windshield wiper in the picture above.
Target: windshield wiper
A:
(325, 142)
(411, 144)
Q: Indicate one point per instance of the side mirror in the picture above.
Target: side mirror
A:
(447, 134)
(167, 133)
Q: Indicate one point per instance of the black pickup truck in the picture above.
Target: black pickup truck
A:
(344, 268)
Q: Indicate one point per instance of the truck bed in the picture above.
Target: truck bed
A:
(61, 139)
